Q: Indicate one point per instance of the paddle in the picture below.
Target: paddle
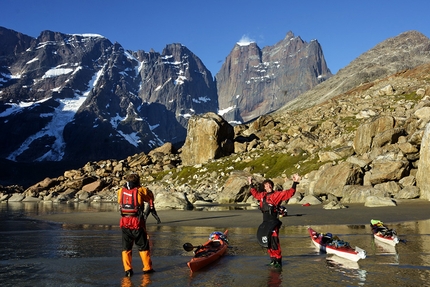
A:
(189, 247)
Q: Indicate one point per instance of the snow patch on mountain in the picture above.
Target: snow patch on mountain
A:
(61, 116)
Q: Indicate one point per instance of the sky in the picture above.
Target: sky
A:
(210, 29)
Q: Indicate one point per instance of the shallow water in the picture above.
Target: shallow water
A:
(35, 253)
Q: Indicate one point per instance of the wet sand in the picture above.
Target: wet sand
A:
(355, 214)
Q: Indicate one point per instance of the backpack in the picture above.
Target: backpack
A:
(129, 204)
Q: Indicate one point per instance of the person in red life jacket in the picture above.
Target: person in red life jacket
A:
(270, 201)
(131, 198)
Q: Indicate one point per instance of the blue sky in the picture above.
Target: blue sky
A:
(345, 29)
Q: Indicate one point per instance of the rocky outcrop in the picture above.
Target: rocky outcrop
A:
(254, 82)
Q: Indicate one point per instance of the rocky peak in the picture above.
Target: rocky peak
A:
(178, 80)
(405, 51)
(254, 81)
(12, 43)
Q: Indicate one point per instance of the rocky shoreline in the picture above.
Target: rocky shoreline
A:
(221, 217)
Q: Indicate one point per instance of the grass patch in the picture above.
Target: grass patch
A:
(271, 164)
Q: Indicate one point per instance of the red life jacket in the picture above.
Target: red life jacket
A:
(130, 210)
(129, 205)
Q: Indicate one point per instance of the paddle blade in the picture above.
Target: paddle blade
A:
(188, 246)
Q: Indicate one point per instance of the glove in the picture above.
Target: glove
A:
(154, 213)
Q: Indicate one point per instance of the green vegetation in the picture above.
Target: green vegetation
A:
(272, 164)
(408, 97)
(269, 163)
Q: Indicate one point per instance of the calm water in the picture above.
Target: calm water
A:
(35, 253)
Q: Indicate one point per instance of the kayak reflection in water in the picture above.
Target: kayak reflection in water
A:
(268, 231)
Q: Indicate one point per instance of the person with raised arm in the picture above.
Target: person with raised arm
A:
(270, 202)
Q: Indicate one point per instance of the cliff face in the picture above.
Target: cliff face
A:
(254, 81)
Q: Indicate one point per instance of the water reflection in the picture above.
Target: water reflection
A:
(32, 208)
(347, 268)
(384, 248)
(275, 278)
(145, 281)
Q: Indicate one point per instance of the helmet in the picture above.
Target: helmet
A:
(216, 235)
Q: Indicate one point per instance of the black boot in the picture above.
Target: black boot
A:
(277, 263)
(272, 261)
(129, 273)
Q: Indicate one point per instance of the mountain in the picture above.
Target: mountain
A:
(78, 98)
(253, 81)
(73, 99)
(405, 51)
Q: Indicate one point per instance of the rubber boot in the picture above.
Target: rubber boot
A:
(126, 260)
(272, 261)
(146, 261)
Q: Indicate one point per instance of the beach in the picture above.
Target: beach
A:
(234, 216)
(79, 244)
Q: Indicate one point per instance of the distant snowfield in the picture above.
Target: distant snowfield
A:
(61, 116)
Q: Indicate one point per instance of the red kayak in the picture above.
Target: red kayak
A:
(333, 245)
(210, 251)
(383, 233)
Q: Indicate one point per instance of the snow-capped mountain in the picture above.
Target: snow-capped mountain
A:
(254, 82)
(80, 98)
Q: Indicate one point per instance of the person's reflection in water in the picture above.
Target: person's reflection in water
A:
(275, 278)
(126, 282)
(145, 281)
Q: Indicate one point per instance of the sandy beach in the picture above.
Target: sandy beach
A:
(355, 214)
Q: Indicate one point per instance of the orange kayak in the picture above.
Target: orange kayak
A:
(210, 251)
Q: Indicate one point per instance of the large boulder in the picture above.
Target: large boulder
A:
(235, 189)
(174, 200)
(423, 178)
(334, 178)
(408, 192)
(365, 133)
(376, 201)
(385, 168)
(360, 193)
(209, 136)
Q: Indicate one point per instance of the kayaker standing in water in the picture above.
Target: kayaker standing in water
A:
(270, 201)
(131, 198)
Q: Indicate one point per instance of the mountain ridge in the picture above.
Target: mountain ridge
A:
(129, 110)
(58, 89)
